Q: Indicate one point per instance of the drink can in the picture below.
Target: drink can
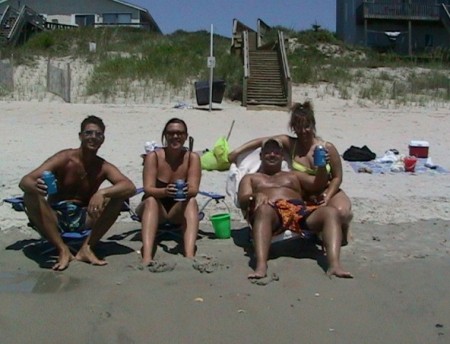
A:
(49, 179)
(180, 194)
(320, 154)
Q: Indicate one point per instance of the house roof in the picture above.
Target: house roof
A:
(126, 3)
(130, 5)
(146, 12)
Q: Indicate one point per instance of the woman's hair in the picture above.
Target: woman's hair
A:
(170, 121)
(302, 111)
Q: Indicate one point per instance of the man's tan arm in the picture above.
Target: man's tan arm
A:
(121, 187)
(245, 191)
(31, 182)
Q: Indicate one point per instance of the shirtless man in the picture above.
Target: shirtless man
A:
(79, 173)
(274, 200)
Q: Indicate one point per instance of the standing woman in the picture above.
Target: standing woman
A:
(162, 168)
(300, 149)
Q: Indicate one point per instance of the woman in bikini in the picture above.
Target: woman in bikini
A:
(162, 168)
(300, 150)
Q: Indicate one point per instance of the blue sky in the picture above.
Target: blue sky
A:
(194, 15)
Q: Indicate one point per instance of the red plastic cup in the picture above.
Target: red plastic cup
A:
(410, 163)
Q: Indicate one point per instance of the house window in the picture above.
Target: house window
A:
(85, 19)
(116, 18)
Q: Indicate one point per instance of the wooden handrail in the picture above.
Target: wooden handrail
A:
(284, 59)
(445, 16)
(285, 69)
(401, 10)
(261, 28)
(19, 20)
(4, 15)
(246, 55)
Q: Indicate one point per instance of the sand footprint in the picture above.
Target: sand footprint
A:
(206, 264)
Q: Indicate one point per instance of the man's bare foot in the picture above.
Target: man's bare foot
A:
(65, 257)
(86, 255)
(339, 272)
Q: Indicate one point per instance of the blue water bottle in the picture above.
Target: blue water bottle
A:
(320, 156)
(50, 180)
(180, 194)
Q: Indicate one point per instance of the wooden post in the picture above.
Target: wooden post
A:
(48, 74)
(365, 32)
(68, 83)
(410, 38)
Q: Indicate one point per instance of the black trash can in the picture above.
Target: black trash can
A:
(202, 91)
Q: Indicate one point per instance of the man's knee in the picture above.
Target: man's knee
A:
(35, 202)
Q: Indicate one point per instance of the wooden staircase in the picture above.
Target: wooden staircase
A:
(7, 21)
(17, 26)
(265, 83)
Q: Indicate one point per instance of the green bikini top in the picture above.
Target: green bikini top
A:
(302, 168)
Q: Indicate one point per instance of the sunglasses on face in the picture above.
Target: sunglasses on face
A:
(175, 132)
(93, 133)
(274, 150)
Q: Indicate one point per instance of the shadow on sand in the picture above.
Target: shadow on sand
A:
(295, 248)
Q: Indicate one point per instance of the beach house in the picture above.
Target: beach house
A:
(88, 12)
(403, 26)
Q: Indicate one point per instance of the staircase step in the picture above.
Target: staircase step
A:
(266, 102)
(265, 86)
(260, 76)
(266, 93)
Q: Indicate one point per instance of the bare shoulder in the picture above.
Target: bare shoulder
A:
(106, 165)
(248, 178)
(194, 158)
(66, 153)
(62, 157)
(329, 146)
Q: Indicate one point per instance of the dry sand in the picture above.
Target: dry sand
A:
(399, 252)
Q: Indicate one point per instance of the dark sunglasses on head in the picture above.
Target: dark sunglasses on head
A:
(93, 133)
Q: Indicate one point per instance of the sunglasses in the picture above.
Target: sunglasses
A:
(175, 132)
(93, 133)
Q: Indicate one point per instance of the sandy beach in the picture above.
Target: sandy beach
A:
(399, 253)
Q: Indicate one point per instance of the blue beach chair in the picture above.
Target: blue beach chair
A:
(72, 239)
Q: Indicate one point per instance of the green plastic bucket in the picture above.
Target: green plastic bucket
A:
(222, 225)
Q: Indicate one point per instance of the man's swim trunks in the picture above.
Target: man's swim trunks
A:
(293, 214)
(71, 216)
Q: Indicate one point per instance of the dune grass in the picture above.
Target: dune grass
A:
(126, 56)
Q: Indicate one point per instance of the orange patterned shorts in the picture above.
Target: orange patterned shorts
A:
(293, 214)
